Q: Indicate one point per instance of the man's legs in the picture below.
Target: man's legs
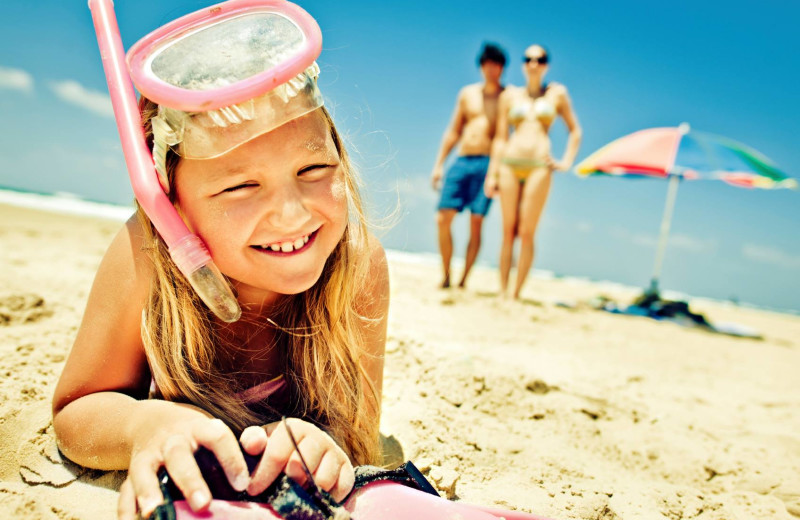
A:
(479, 207)
(444, 219)
(474, 245)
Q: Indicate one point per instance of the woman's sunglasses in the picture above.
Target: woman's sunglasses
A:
(541, 60)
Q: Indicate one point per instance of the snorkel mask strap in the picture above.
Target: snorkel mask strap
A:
(164, 136)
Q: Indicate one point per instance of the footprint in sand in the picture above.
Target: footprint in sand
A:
(537, 386)
(22, 308)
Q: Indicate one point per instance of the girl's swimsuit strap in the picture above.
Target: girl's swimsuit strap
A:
(261, 391)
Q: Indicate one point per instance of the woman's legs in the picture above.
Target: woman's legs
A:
(534, 198)
(510, 190)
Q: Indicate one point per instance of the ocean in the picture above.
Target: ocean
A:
(62, 202)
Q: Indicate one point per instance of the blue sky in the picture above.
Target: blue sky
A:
(390, 73)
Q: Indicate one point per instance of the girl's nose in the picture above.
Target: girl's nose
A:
(286, 210)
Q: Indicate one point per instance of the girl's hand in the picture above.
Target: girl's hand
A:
(328, 464)
(174, 449)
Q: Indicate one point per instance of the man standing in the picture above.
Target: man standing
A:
(473, 125)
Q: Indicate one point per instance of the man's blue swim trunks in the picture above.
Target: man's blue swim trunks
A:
(463, 185)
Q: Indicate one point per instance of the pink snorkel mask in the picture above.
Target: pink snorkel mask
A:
(221, 77)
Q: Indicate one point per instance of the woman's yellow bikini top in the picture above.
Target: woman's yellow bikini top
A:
(540, 108)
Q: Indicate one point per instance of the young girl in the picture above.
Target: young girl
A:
(281, 216)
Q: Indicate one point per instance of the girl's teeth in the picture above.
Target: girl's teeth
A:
(288, 247)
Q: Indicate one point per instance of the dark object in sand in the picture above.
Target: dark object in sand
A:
(650, 304)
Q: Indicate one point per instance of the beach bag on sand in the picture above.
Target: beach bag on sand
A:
(378, 494)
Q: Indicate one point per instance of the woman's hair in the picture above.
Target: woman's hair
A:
(318, 332)
(545, 50)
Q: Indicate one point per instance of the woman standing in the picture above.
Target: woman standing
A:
(521, 161)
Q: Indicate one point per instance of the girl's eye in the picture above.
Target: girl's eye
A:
(238, 187)
(314, 168)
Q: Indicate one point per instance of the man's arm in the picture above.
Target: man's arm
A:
(451, 136)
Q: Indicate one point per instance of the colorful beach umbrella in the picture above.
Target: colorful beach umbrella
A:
(679, 153)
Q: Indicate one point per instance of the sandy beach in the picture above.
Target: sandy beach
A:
(568, 412)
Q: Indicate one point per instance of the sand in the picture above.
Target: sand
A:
(571, 413)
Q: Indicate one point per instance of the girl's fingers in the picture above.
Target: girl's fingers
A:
(327, 463)
(253, 440)
(144, 481)
(182, 467)
(126, 506)
(217, 437)
(276, 455)
(312, 448)
(327, 473)
(345, 482)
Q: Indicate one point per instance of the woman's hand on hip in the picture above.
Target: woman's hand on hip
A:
(558, 166)
(327, 463)
(174, 448)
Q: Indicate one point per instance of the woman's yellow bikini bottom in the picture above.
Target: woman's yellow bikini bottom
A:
(521, 168)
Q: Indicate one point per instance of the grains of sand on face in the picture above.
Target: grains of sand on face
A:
(338, 189)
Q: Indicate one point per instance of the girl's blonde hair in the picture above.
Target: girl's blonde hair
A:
(318, 332)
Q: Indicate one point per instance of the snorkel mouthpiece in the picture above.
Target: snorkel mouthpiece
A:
(194, 261)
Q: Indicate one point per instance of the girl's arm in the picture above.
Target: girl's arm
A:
(99, 415)
(490, 185)
(106, 371)
(575, 132)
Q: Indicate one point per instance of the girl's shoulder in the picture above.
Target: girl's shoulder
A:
(375, 291)
(108, 354)
(123, 279)
(374, 250)
(378, 263)
(128, 253)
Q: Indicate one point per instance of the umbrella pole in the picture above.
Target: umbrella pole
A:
(666, 221)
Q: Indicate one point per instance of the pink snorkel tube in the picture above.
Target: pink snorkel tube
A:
(187, 249)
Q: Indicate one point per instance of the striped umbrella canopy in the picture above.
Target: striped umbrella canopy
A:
(688, 154)
(679, 153)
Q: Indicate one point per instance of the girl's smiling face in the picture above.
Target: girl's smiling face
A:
(270, 211)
